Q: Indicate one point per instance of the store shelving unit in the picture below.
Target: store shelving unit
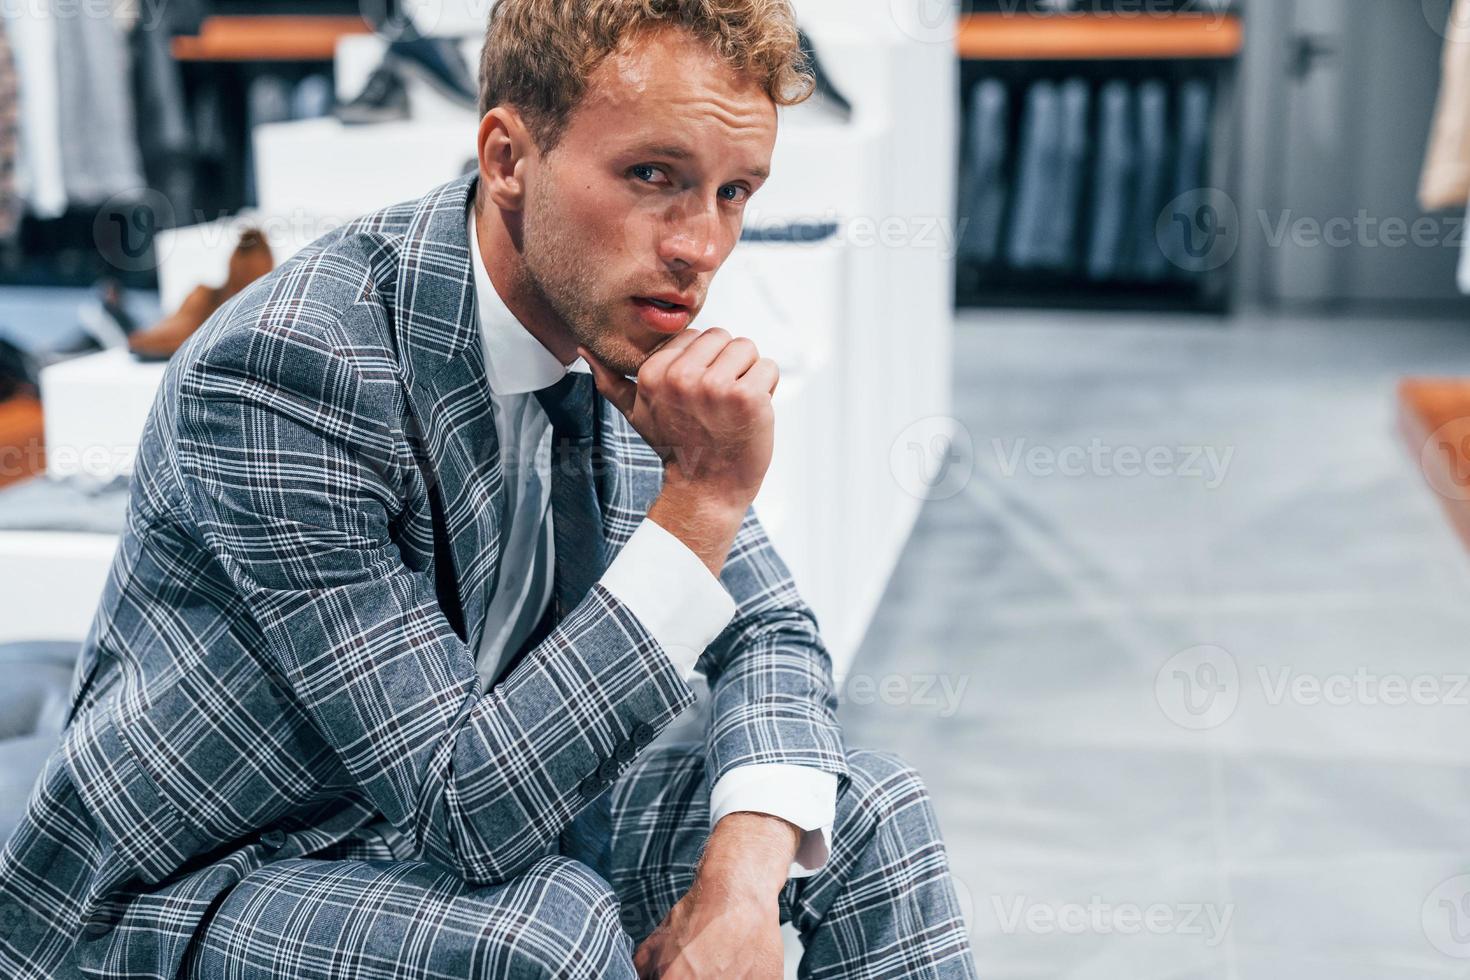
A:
(1023, 47)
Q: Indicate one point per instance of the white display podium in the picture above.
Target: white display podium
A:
(95, 407)
(51, 582)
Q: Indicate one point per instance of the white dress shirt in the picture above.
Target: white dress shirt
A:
(664, 584)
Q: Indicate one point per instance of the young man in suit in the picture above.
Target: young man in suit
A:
(403, 600)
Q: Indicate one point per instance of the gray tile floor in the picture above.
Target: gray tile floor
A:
(1209, 720)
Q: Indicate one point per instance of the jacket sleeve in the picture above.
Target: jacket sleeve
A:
(292, 468)
(770, 677)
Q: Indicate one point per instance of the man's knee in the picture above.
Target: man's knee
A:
(885, 788)
(565, 924)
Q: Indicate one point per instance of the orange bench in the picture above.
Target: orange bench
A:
(22, 439)
(1434, 418)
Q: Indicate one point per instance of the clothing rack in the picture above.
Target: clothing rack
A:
(1078, 130)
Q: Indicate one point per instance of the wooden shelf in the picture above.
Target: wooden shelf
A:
(1434, 419)
(267, 38)
(1074, 37)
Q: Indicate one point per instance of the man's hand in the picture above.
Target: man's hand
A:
(729, 924)
(703, 403)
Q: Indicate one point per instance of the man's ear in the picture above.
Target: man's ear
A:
(506, 149)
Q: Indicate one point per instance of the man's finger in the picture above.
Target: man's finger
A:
(732, 363)
(764, 375)
(703, 351)
(613, 386)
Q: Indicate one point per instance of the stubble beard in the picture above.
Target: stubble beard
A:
(564, 277)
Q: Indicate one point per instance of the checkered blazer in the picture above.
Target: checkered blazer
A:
(285, 649)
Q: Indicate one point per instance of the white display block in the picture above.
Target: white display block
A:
(96, 406)
(325, 171)
(52, 582)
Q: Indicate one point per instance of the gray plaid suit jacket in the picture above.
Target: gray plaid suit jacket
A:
(284, 652)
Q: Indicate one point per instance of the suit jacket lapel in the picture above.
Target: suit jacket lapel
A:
(442, 353)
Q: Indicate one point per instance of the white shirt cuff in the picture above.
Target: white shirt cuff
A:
(673, 594)
(801, 795)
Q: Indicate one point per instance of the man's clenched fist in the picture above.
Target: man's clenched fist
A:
(703, 403)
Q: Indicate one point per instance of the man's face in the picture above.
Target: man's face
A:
(643, 198)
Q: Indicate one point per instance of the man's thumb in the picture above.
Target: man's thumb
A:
(613, 386)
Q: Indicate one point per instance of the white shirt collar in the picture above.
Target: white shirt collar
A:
(515, 361)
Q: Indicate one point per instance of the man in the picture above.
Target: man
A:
(402, 602)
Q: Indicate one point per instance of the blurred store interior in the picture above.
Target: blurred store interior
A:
(1123, 442)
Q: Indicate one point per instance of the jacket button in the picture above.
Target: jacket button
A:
(274, 839)
(608, 771)
(643, 733)
(625, 752)
(590, 787)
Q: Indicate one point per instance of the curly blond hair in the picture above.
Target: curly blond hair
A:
(539, 54)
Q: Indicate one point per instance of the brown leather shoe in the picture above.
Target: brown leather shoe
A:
(251, 259)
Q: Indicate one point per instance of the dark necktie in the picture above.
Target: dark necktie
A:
(576, 516)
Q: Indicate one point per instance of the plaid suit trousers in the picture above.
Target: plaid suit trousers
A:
(883, 906)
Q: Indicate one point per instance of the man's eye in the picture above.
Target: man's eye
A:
(645, 172)
(737, 194)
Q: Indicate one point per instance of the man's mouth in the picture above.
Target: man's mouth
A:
(663, 315)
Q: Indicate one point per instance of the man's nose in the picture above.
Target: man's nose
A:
(693, 239)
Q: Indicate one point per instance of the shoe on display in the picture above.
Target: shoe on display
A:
(250, 260)
(440, 63)
(383, 99)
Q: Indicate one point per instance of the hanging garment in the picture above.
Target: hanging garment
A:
(32, 36)
(9, 140)
(1446, 179)
(1112, 184)
(1465, 259)
(161, 124)
(1191, 165)
(1058, 247)
(984, 190)
(268, 101)
(1148, 262)
(1040, 166)
(99, 145)
(312, 97)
